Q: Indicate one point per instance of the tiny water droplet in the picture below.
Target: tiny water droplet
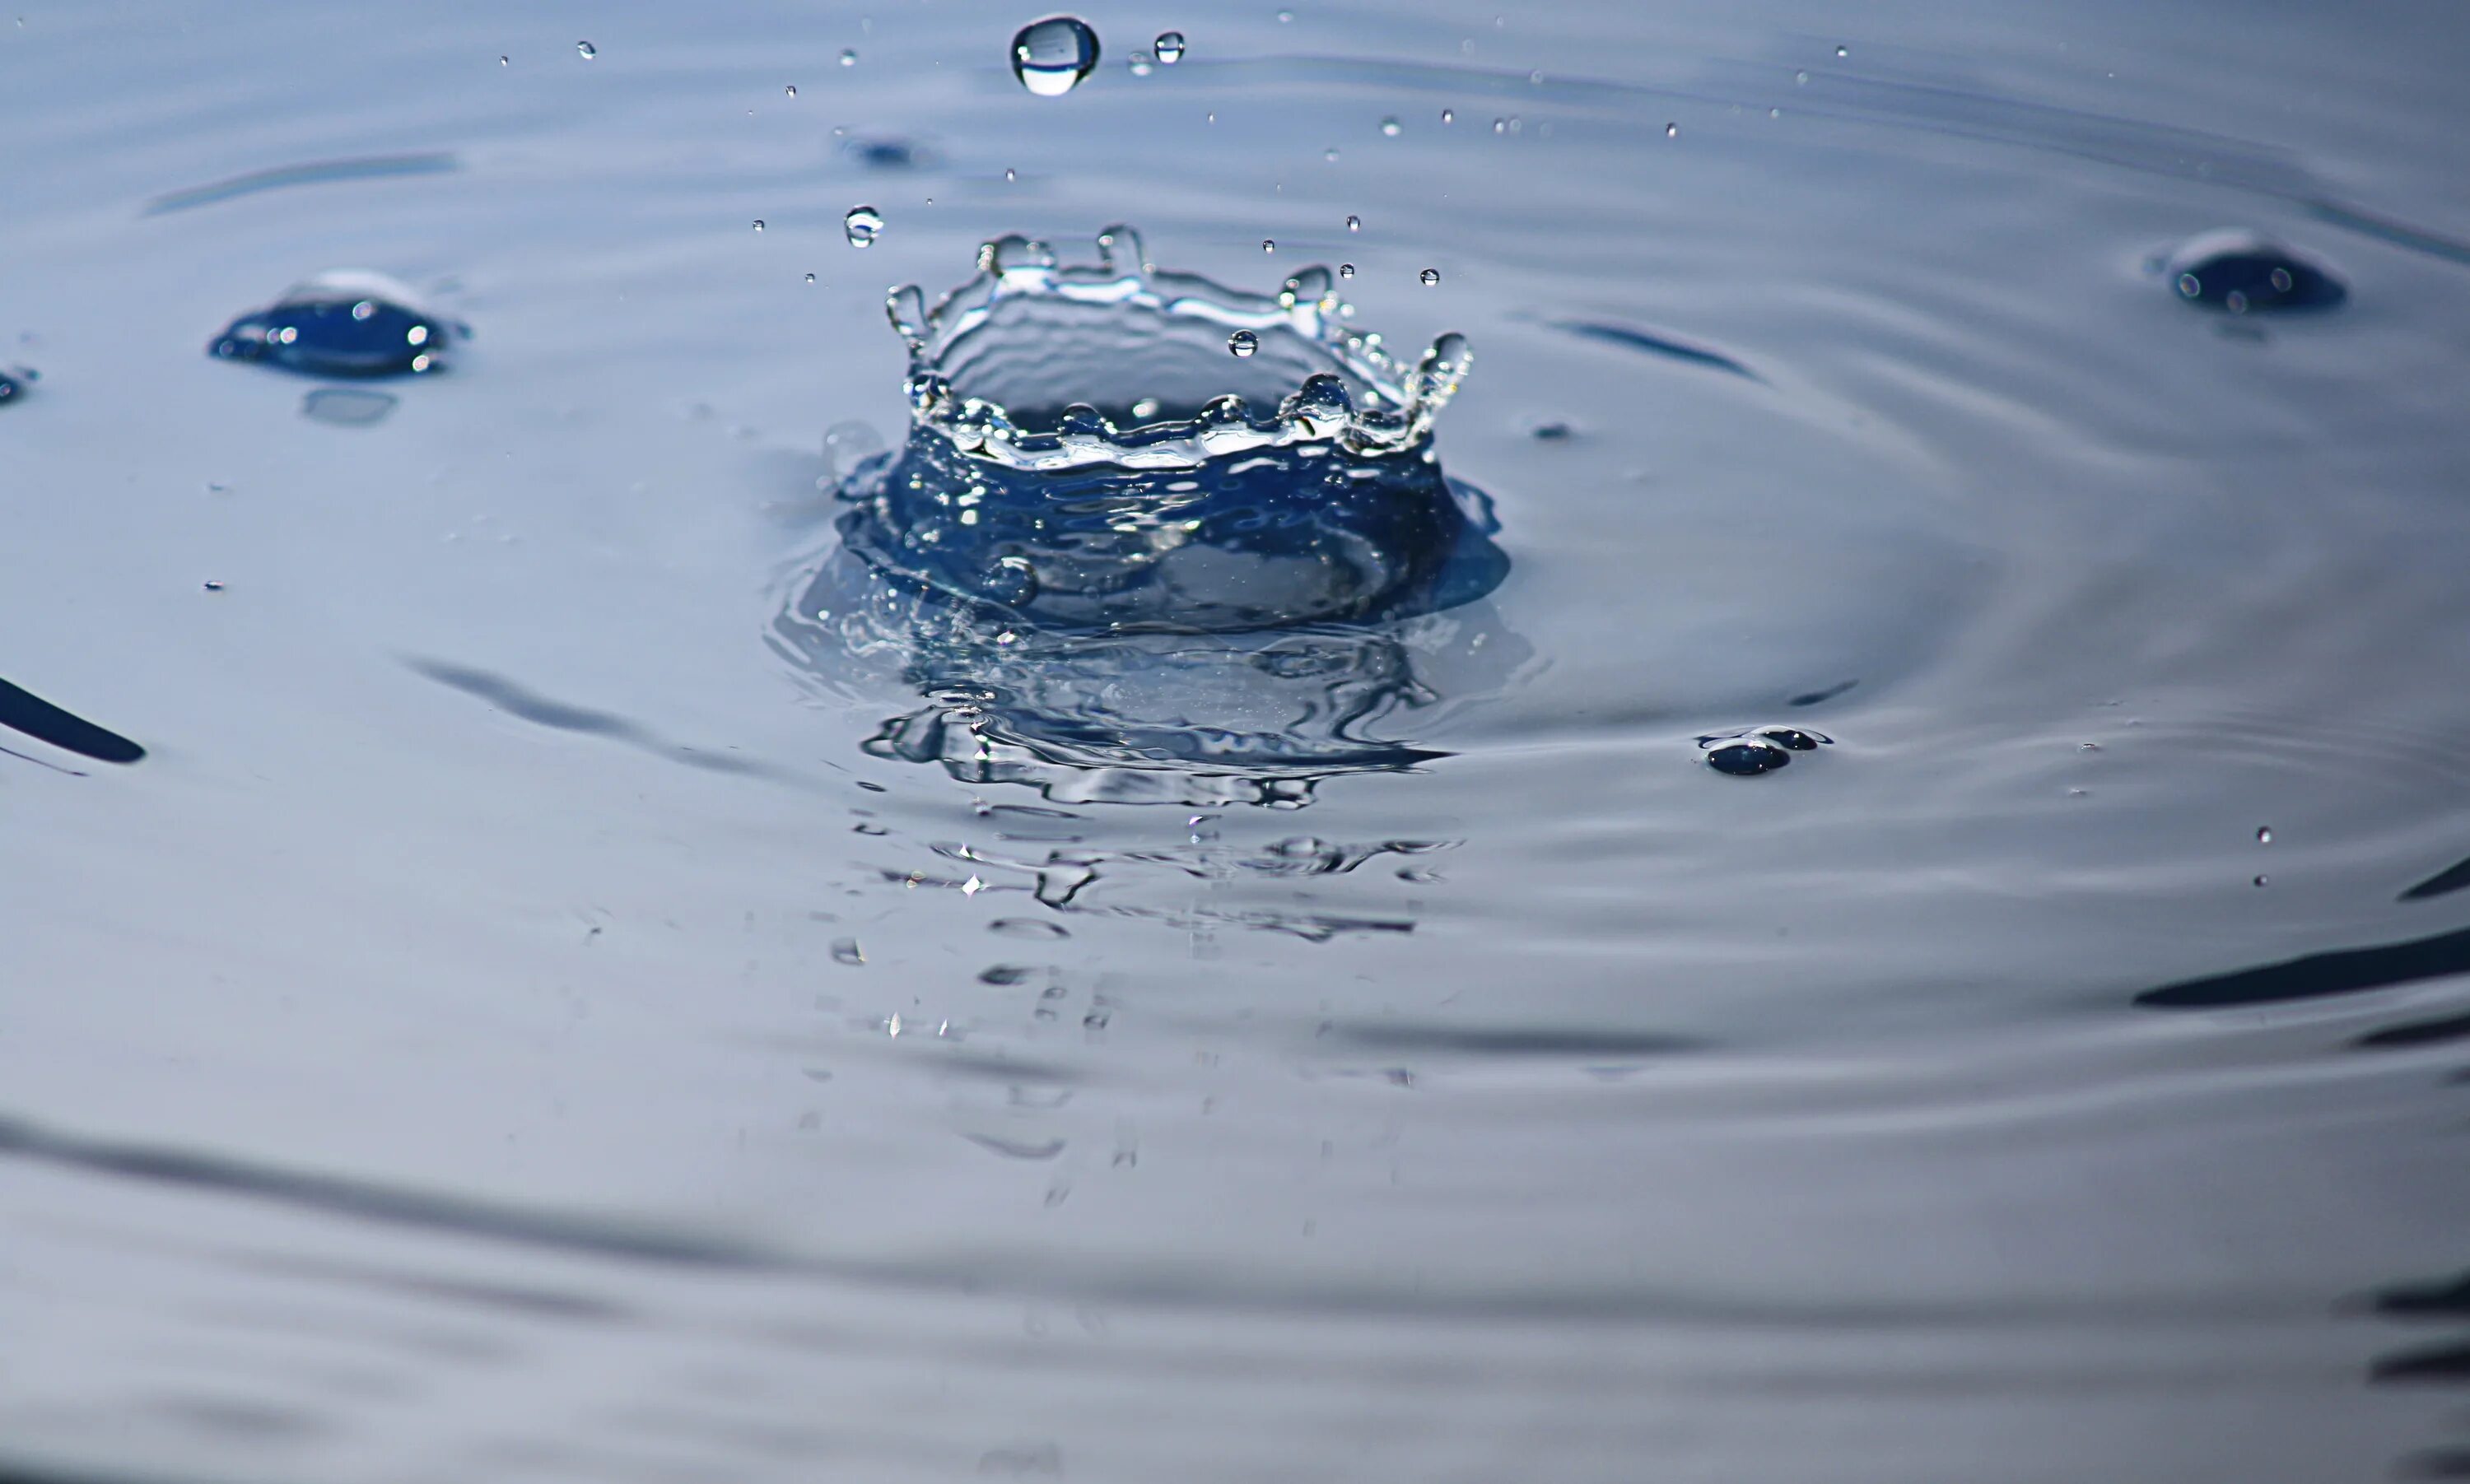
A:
(586, 50)
(1286, 17)
(1009, 175)
(2264, 834)
(1500, 126)
(1330, 155)
(759, 223)
(1051, 57)
(849, 58)
(793, 89)
(1448, 117)
(1346, 270)
(1268, 244)
(1843, 50)
(863, 226)
(1431, 276)
(214, 586)
(2264, 881)
(1355, 223)
(1169, 47)
(1671, 131)
(1140, 64)
(1242, 342)
(1391, 127)
(1800, 80)
(502, 63)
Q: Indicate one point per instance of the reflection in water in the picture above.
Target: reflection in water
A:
(1117, 565)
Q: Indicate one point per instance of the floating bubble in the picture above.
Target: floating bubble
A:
(862, 226)
(586, 50)
(1242, 342)
(1429, 276)
(1169, 47)
(1051, 57)
(343, 323)
(1391, 127)
(2239, 272)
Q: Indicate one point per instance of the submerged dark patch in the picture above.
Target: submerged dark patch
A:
(2345, 971)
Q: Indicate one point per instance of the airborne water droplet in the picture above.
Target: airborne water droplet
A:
(1448, 116)
(1242, 342)
(810, 278)
(1355, 223)
(863, 224)
(793, 89)
(759, 223)
(1431, 276)
(849, 58)
(1391, 127)
(1346, 270)
(1671, 131)
(586, 50)
(2264, 834)
(1843, 50)
(1268, 244)
(1169, 47)
(1051, 57)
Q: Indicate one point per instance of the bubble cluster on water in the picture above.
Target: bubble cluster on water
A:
(1051, 57)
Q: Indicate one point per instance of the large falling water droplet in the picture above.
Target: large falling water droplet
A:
(863, 224)
(1242, 342)
(1169, 47)
(1051, 57)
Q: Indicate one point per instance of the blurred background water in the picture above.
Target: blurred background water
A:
(512, 1024)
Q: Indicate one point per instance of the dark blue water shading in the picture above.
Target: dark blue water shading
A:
(559, 716)
(2344, 971)
(2453, 878)
(25, 711)
(373, 167)
(10, 387)
(343, 324)
(1630, 337)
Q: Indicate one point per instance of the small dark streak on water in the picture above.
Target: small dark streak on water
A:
(494, 1297)
(75, 773)
(2415, 1032)
(2440, 1299)
(2453, 878)
(2452, 1463)
(367, 1200)
(1816, 697)
(2344, 971)
(257, 1422)
(540, 711)
(2444, 1365)
(32, 714)
(1629, 339)
(314, 173)
(1509, 1041)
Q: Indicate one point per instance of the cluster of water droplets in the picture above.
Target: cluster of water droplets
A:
(1349, 391)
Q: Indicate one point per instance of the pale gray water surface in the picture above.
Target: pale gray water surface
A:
(509, 1026)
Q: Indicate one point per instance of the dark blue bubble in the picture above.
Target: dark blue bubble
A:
(1747, 756)
(343, 324)
(2239, 272)
(1757, 750)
